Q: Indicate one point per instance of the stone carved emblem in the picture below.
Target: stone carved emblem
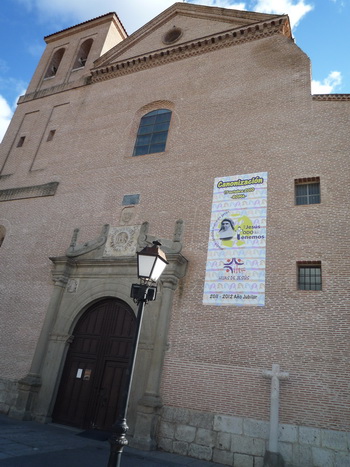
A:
(127, 215)
(122, 241)
(72, 285)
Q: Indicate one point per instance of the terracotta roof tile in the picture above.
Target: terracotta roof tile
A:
(89, 21)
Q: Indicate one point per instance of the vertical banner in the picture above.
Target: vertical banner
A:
(235, 271)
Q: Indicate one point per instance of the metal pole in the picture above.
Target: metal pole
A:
(120, 428)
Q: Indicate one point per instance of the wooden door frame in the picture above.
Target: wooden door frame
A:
(96, 360)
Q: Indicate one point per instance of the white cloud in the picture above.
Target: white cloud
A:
(6, 109)
(220, 4)
(295, 9)
(132, 13)
(12, 86)
(328, 85)
(5, 116)
(135, 13)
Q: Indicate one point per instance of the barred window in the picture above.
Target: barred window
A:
(307, 191)
(309, 276)
(153, 132)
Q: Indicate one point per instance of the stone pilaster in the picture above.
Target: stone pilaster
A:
(29, 386)
(57, 347)
(150, 404)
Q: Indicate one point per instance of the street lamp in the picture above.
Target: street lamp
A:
(151, 262)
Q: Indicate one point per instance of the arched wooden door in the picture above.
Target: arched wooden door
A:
(95, 367)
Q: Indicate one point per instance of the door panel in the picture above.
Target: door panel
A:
(95, 367)
(112, 382)
(75, 395)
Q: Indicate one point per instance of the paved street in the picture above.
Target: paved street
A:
(32, 444)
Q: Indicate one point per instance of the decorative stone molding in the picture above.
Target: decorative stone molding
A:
(78, 250)
(169, 246)
(122, 241)
(331, 97)
(170, 282)
(173, 35)
(31, 379)
(267, 28)
(127, 215)
(28, 388)
(35, 191)
(145, 346)
(72, 285)
(4, 177)
(99, 277)
(61, 281)
(8, 394)
(68, 338)
(53, 90)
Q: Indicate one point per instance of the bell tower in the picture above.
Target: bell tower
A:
(69, 54)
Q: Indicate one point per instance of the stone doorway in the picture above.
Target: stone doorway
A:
(95, 367)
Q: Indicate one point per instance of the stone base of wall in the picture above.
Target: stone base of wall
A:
(242, 442)
(8, 395)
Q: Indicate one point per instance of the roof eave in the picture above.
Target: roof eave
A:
(87, 25)
(279, 25)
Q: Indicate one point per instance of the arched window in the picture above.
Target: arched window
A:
(2, 234)
(153, 132)
(83, 54)
(55, 63)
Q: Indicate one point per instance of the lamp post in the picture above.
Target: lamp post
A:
(151, 262)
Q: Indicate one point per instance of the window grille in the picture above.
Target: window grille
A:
(309, 276)
(153, 132)
(307, 191)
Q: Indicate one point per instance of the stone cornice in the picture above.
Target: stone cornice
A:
(200, 12)
(112, 267)
(331, 97)
(53, 90)
(34, 191)
(203, 45)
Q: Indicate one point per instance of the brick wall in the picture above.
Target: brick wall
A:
(240, 109)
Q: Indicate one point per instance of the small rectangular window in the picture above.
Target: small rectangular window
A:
(130, 199)
(309, 276)
(307, 191)
(51, 135)
(21, 141)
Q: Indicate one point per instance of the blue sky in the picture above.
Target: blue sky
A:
(320, 28)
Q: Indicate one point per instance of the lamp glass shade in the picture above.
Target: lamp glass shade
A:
(151, 262)
(158, 268)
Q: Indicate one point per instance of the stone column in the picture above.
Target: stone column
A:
(149, 405)
(56, 351)
(272, 457)
(29, 386)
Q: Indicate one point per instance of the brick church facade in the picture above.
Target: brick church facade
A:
(198, 130)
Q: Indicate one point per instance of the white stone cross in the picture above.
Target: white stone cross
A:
(276, 375)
